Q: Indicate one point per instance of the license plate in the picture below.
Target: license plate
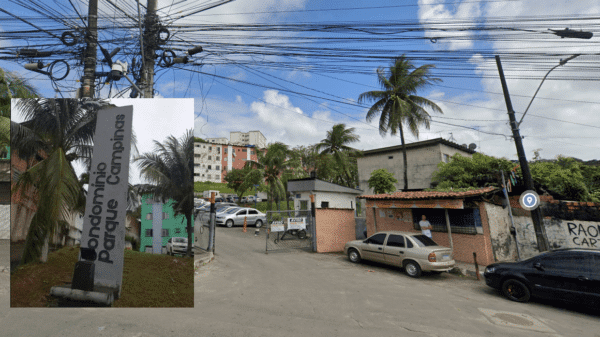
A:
(446, 257)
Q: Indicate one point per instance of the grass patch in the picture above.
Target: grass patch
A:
(149, 280)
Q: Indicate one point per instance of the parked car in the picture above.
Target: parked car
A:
(414, 252)
(258, 199)
(236, 217)
(177, 245)
(232, 198)
(567, 274)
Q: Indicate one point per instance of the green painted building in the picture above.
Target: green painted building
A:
(159, 224)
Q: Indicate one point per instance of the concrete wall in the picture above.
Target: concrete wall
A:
(504, 245)
(206, 155)
(4, 222)
(334, 228)
(559, 234)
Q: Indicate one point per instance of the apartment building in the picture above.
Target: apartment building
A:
(212, 161)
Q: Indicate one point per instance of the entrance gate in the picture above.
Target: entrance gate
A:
(290, 230)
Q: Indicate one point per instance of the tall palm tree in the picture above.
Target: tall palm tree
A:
(169, 170)
(397, 102)
(269, 165)
(61, 131)
(336, 144)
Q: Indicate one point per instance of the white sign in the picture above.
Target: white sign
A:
(296, 223)
(104, 220)
(277, 226)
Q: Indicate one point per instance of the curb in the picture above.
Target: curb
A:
(204, 259)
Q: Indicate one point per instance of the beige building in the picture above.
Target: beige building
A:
(207, 162)
(422, 157)
(255, 138)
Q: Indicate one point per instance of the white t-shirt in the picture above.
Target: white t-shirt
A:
(425, 224)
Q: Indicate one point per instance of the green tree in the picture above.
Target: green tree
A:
(464, 172)
(336, 144)
(270, 164)
(239, 181)
(57, 132)
(170, 172)
(382, 181)
(397, 103)
(563, 177)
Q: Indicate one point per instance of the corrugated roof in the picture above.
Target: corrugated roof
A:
(430, 194)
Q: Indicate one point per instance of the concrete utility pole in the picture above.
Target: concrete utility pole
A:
(150, 44)
(89, 69)
(536, 215)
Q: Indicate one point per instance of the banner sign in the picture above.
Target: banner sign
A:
(277, 226)
(296, 223)
(104, 220)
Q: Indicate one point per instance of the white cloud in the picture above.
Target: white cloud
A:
(433, 16)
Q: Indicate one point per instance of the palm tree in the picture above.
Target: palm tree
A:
(270, 164)
(11, 86)
(397, 102)
(336, 144)
(58, 132)
(170, 172)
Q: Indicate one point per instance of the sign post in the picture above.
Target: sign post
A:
(103, 235)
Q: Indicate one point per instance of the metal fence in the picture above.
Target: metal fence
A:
(289, 230)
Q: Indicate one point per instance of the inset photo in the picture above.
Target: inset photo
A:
(101, 202)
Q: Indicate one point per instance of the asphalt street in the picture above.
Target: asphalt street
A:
(245, 292)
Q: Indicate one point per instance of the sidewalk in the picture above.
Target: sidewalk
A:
(467, 269)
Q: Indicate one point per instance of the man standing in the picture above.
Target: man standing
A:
(425, 226)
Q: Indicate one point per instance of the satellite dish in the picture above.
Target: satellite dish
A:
(472, 146)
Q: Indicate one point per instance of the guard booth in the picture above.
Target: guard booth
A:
(335, 207)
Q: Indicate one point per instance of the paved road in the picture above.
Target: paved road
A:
(244, 292)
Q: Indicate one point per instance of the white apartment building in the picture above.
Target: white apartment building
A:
(207, 162)
(222, 140)
(255, 138)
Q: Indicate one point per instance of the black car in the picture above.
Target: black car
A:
(568, 274)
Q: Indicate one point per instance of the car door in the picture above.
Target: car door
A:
(239, 217)
(373, 248)
(559, 275)
(252, 216)
(394, 249)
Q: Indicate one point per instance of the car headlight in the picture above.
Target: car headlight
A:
(490, 269)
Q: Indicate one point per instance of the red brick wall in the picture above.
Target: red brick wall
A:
(464, 244)
(334, 228)
(239, 161)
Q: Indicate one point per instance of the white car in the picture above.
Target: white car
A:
(177, 245)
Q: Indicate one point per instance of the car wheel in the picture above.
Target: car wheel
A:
(258, 223)
(412, 269)
(229, 223)
(516, 291)
(353, 256)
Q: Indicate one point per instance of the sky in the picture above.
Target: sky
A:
(153, 120)
(255, 79)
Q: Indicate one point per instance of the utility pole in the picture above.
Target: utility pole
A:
(150, 44)
(89, 69)
(536, 215)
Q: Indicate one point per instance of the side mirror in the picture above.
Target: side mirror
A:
(538, 266)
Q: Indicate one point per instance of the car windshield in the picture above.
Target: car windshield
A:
(423, 241)
(180, 240)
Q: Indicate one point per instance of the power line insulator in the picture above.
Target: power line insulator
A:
(34, 66)
(195, 50)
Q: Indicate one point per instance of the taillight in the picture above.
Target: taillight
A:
(431, 257)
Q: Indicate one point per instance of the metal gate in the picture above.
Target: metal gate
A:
(290, 230)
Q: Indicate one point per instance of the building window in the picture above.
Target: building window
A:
(149, 233)
(210, 148)
(218, 158)
(217, 167)
(196, 174)
(177, 230)
(209, 158)
(209, 177)
(244, 150)
(298, 196)
(217, 177)
(391, 157)
(324, 204)
(165, 232)
(196, 156)
(218, 150)
(446, 158)
(209, 167)
(149, 216)
(165, 215)
(303, 204)
(198, 165)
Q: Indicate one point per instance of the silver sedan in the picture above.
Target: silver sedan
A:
(414, 252)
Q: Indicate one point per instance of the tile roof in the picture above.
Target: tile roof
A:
(430, 194)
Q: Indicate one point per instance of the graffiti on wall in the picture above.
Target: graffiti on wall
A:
(584, 234)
